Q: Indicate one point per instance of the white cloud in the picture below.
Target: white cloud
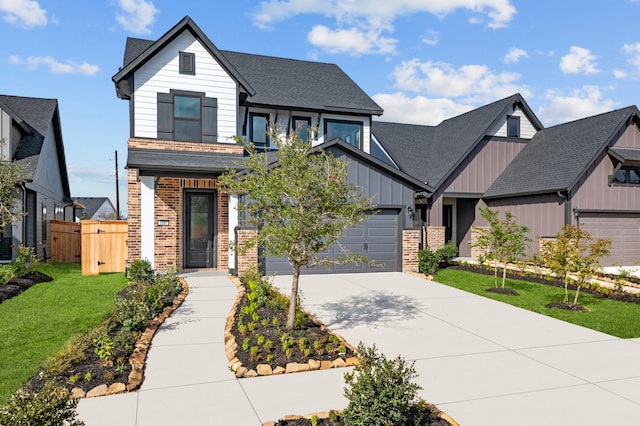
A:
(136, 15)
(24, 13)
(619, 74)
(472, 83)
(579, 103)
(633, 51)
(579, 60)
(352, 41)
(32, 63)
(432, 38)
(400, 108)
(368, 19)
(514, 55)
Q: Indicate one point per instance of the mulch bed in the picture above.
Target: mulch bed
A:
(567, 307)
(552, 281)
(313, 332)
(18, 285)
(427, 413)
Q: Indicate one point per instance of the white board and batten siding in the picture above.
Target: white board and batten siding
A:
(160, 74)
(527, 129)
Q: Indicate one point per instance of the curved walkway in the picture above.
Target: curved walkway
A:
(481, 361)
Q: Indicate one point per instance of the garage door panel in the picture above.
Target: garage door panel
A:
(622, 230)
(378, 237)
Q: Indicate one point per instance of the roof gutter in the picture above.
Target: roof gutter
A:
(567, 207)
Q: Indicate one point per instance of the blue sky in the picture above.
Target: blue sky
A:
(421, 60)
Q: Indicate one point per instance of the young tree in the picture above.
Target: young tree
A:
(11, 175)
(300, 204)
(574, 250)
(504, 241)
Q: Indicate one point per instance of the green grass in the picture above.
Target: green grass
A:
(37, 323)
(621, 319)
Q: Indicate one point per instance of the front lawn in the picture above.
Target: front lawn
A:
(37, 323)
(608, 316)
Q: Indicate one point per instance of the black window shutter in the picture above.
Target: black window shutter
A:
(165, 116)
(210, 120)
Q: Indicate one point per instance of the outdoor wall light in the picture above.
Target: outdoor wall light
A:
(412, 215)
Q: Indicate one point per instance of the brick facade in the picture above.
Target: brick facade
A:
(435, 237)
(476, 252)
(169, 206)
(250, 256)
(410, 246)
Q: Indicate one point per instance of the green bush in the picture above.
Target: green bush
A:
(379, 391)
(428, 262)
(448, 252)
(51, 406)
(134, 315)
(140, 271)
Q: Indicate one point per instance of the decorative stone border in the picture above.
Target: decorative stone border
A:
(139, 355)
(327, 414)
(231, 348)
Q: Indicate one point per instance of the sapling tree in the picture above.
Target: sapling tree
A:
(574, 251)
(504, 241)
(300, 204)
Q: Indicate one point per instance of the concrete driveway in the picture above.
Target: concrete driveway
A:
(481, 361)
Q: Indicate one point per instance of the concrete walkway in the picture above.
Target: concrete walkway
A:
(481, 361)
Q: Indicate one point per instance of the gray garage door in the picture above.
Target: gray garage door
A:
(378, 237)
(622, 230)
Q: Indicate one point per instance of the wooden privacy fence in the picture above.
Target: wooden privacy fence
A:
(100, 245)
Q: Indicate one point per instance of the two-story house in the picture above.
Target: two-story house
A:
(188, 99)
(31, 136)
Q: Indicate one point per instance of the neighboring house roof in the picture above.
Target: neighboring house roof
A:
(269, 81)
(36, 115)
(301, 85)
(557, 157)
(181, 162)
(137, 55)
(91, 205)
(432, 153)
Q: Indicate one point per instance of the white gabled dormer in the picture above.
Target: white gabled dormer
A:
(517, 121)
(5, 136)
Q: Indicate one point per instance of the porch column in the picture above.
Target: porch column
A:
(147, 219)
(233, 222)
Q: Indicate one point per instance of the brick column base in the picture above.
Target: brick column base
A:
(249, 257)
(410, 245)
(435, 237)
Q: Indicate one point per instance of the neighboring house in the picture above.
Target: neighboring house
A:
(187, 100)
(94, 208)
(32, 133)
(499, 155)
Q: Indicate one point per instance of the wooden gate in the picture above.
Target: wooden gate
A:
(65, 241)
(104, 246)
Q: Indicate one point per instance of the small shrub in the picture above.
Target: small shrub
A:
(140, 271)
(24, 261)
(134, 315)
(268, 345)
(7, 273)
(428, 262)
(379, 391)
(104, 347)
(51, 406)
(246, 343)
(253, 353)
(447, 252)
(88, 376)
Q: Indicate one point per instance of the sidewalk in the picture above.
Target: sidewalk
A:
(188, 381)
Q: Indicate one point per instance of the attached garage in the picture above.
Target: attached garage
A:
(623, 229)
(380, 235)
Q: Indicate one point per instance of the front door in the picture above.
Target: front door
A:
(200, 232)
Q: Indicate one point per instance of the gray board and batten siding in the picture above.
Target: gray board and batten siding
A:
(380, 235)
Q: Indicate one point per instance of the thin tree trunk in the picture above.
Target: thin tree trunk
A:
(575, 299)
(495, 274)
(293, 300)
(566, 290)
(504, 274)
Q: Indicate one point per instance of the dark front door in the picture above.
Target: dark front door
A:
(447, 222)
(200, 232)
(5, 243)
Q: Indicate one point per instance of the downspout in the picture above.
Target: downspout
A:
(24, 213)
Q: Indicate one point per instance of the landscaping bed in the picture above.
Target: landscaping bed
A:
(261, 344)
(15, 286)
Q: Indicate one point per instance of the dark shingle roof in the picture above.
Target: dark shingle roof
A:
(181, 161)
(301, 84)
(92, 204)
(631, 155)
(406, 144)
(271, 81)
(432, 153)
(556, 158)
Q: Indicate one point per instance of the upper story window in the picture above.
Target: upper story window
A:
(187, 117)
(627, 175)
(513, 126)
(348, 131)
(187, 63)
(258, 132)
(302, 125)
